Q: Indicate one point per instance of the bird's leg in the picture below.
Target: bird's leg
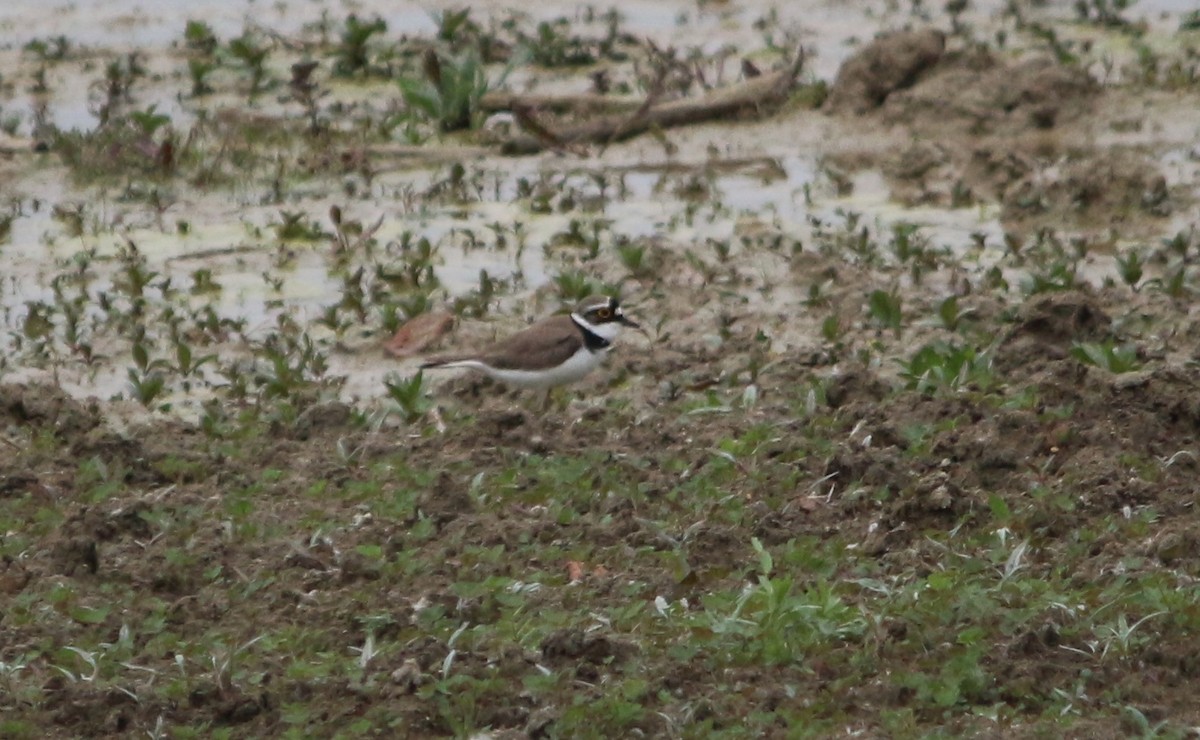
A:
(551, 400)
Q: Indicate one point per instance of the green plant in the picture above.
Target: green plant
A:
(1107, 355)
(552, 45)
(633, 258)
(941, 365)
(886, 309)
(187, 364)
(199, 37)
(950, 314)
(410, 395)
(451, 24)
(573, 286)
(907, 241)
(149, 120)
(249, 50)
(1130, 267)
(293, 364)
(1061, 275)
(451, 90)
(351, 55)
(198, 71)
(1103, 12)
(476, 303)
(1174, 283)
(146, 385)
(292, 227)
(777, 622)
(831, 328)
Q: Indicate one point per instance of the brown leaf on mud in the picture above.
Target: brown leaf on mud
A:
(419, 333)
(809, 504)
(574, 571)
(577, 569)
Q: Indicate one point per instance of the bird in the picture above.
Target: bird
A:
(555, 351)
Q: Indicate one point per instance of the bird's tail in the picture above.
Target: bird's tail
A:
(448, 361)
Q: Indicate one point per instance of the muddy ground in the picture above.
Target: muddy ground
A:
(924, 469)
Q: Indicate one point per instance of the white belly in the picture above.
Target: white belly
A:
(573, 370)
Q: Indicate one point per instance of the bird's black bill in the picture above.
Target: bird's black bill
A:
(627, 322)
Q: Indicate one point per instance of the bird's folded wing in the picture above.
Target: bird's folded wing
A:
(544, 345)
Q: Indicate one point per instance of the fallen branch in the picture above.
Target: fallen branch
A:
(495, 102)
(751, 95)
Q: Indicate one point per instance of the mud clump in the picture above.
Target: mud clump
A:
(980, 127)
(46, 406)
(572, 643)
(977, 94)
(885, 65)
(1063, 317)
(1104, 191)
(1048, 325)
(331, 416)
(445, 501)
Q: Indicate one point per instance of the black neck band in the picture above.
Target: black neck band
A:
(593, 341)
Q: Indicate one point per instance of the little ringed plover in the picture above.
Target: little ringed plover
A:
(554, 351)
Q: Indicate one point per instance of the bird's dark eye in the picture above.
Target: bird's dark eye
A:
(603, 313)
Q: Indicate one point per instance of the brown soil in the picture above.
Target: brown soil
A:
(172, 472)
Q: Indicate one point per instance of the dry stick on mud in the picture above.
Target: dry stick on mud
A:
(753, 94)
(527, 120)
(656, 92)
(496, 102)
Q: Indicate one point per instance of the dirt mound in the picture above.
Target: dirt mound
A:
(976, 93)
(981, 127)
(45, 406)
(1101, 191)
(907, 79)
(887, 64)
(1048, 325)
